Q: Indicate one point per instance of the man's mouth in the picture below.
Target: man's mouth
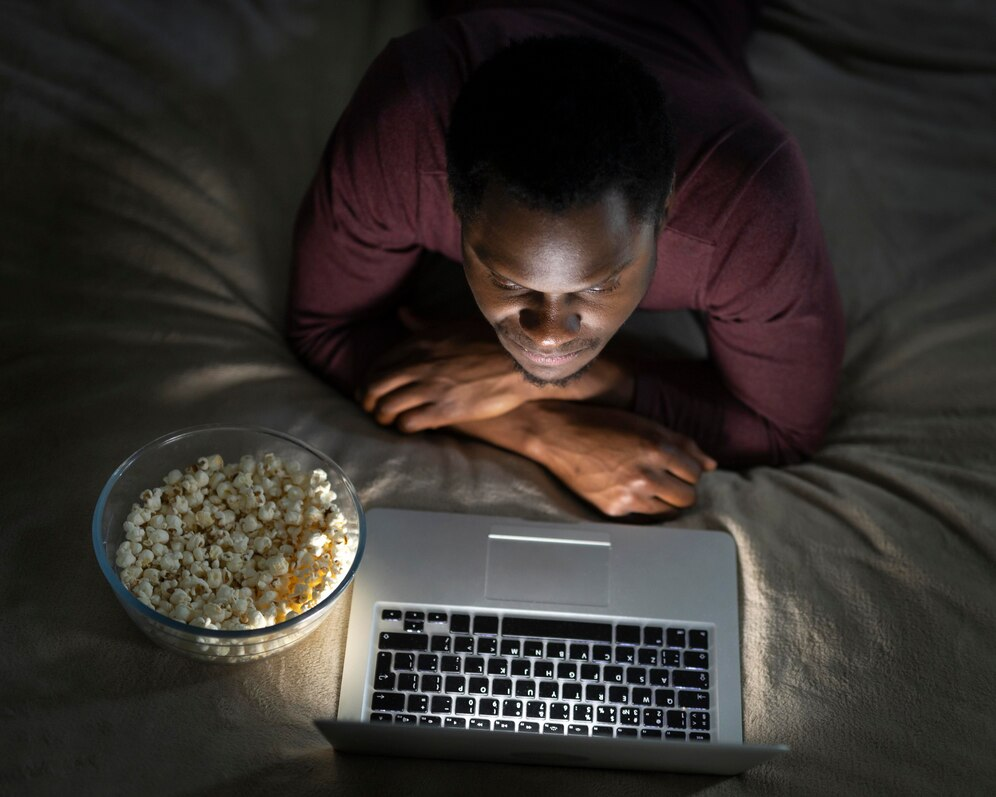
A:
(551, 359)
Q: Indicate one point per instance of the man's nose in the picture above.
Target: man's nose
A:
(550, 323)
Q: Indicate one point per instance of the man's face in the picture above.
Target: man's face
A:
(557, 287)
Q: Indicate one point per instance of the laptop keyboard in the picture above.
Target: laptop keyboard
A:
(531, 674)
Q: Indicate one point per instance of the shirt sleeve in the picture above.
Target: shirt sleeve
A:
(354, 238)
(774, 327)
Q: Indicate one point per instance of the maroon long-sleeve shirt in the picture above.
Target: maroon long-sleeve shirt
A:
(742, 243)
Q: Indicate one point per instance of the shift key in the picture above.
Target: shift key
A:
(395, 641)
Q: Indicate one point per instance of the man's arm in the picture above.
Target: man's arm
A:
(355, 240)
(617, 461)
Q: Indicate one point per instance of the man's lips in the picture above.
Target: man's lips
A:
(548, 359)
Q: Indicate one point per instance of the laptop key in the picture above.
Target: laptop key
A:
(601, 653)
(549, 689)
(664, 697)
(399, 641)
(437, 617)
(449, 664)
(676, 637)
(590, 672)
(595, 693)
(390, 614)
(642, 697)
(698, 639)
(428, 662)
(567, 671)
(606, 714)
(497, 666)
(485, 624)
(571, 691)
(532, 647)
(579, 652)
(690, 679)
(556, 650)
(432, 683)
(658, 677)
(480, 725)
(466, 705)
(511, 647)
(628, 715)
(378, 716)
(511, 708)
(613, 675)
(487, 645)
(488, 706)
(460, 624)
(454, 722)
(521, 668)
(654, 717)
(428, 719)
(653, 636)
(556, 629)
(417, 704)
(647, 656)
(463, 644)
(583, 712)
(529, 727)
(536, 709)
(636, 675)
(405, 719)
(501, 686)
(650, 733)
(384, 681)
(525, 689)
(478, 685)
(473, 665)
(675, 735)
(404, 661)
(553, 727)
(388, 701)
(504, 725)
(559, 711)
(671, 658)
(577, 730)
(628, 634)
(543, 669)
(619, 694)
(626, 732)
(442, 704)
(455, 684)
(698, 720)
(440, 643)
(676, 719)
(625, 655)
(698, 700)
(698, 736)
(697, 659)
(601, 730)
(407, 682)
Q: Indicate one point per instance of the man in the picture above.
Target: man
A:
(538, 148)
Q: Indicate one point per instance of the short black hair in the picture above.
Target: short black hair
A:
(559, 121)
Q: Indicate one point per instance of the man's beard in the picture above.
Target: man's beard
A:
(563, 382)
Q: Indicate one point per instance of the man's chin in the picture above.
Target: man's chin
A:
(557, 381)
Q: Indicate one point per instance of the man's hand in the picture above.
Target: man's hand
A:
(458, 372)
(444, 375)
(620, 462)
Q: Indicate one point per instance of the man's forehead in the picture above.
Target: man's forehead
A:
(583, 244)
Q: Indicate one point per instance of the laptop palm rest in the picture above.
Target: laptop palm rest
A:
(569, 571)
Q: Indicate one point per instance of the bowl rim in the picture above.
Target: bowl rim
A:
(124, 594)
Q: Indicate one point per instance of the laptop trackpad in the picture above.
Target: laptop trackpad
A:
(548, 570)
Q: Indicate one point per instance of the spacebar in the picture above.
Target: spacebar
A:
(561, 629)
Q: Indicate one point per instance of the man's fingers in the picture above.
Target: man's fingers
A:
(380, 387)
(682, 464)
(691, 448)
(390, 406)
(674, 492)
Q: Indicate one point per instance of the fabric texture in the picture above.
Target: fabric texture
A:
(152, 158)
(742, 243)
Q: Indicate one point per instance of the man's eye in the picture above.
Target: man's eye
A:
(605, 287)
(505, 285)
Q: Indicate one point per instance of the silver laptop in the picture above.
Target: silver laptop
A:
(589, 644)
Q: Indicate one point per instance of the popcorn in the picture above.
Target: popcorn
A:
(239, 545)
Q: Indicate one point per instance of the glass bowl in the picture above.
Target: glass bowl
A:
(147, 468)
